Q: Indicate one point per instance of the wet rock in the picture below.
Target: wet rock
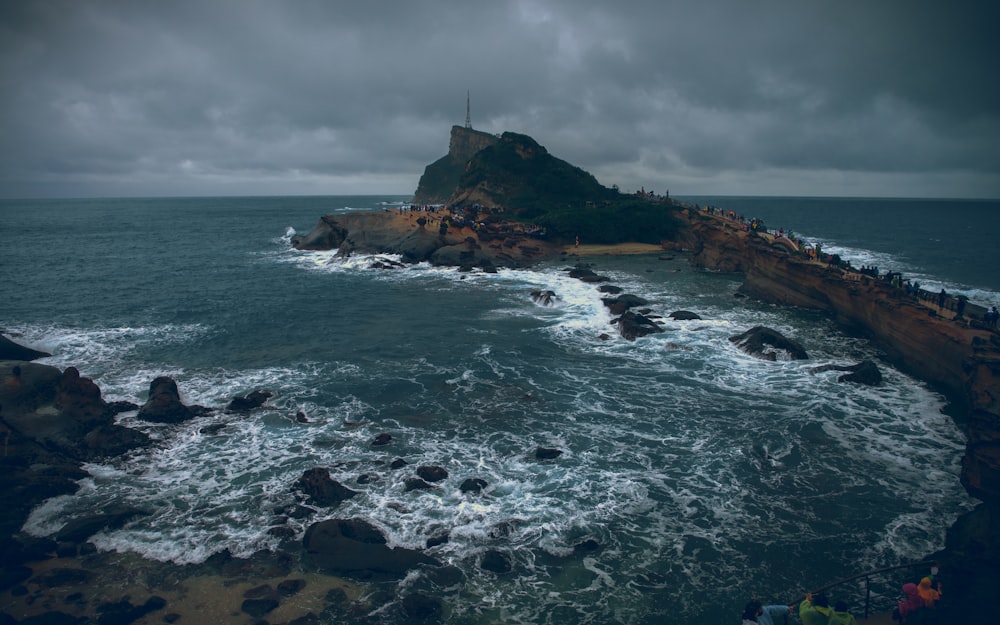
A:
(381, 440)
(263, 591)
(63, 577)
(440, 538)
(545, 298)
(52, 618)
(79, 530)
(766, 343)
(355, 548)
(547, 453)
(632, 326)
(415, 483)
(585, 274)
(320, 489)
(610, 288)
(398, 463)
(305, 619)
(622, 303)
(9, 350)
(420, 607)
(252, 400)
(473, 485)
(258, 607)
(865, 372)
(290, 587)
(432, 473)
(684, 315)
(164, 403)
(123, 612)
(497, 562)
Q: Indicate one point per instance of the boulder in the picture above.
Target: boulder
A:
(415, 483)
(319, 488)
(766, 343)
(684, 315)
(355, 548)
(620, 304)
(9, 350)
(632, 325)
(432, 473)
(164, 403)
(252, 400)
(79, 397)
(585, 274)
(865, 372)
(473, 485)
(545, 298)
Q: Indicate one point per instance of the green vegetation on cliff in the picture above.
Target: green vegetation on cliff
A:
(533, 186)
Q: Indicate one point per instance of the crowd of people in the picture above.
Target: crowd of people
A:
(916, 607)
(814, 251)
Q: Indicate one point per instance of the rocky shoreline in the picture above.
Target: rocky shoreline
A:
(959, 355)
(51, 421)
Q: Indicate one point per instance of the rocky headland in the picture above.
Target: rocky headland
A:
(957, 354)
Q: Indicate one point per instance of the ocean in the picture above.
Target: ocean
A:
(705, 476)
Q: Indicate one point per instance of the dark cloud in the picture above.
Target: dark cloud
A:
(769, 97)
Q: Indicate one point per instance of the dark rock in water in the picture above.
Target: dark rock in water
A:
(473, 485)
(763, 342)
(382, 439)
(355, 548)
(11, 575)
(587, 275)
(123, 612)
(440, 538)
(545, 298)
(252, 400)
(610, 288)
(415, 483)
(50, 618)
(865, 372)
(547, 453)
(587, 546)
(620, 304)
(164, 404)
(398, 463)
(79, 530)
(317, 485)
(632, 326)
(497, 562)
(684, 315)
(9, 350)
(54, 578)
(258, 607)
(421, 607)
(290, 587)
(263, 591)
(432, 473)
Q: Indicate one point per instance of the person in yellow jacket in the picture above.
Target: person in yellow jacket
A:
(815, 611)
(840, 615)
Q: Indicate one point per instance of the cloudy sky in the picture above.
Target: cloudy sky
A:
(727, 97)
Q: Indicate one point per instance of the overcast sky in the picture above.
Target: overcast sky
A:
(702, 97)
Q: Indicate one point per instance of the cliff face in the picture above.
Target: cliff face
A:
(441, 177)
(963, 361)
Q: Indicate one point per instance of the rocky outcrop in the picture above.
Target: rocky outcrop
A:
(320, 489)
(164, 404)
(9, 350)
(865, 372)
(355, 548)
(768, 344)
(961, 359)
(392, 233)
(441, 177)
(632, 325)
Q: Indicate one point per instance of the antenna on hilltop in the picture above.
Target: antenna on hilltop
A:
(468, 111)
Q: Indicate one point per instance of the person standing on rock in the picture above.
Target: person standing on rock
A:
(941, 297)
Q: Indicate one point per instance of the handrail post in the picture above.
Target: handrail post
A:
(868, 593)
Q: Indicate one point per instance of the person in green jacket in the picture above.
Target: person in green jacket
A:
(815, 611)
(840, 615)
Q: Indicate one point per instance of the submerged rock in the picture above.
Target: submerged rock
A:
(765, 343)
(355, 548)
(684, 315)
(317, 485)
(865, 372)
(253, 399)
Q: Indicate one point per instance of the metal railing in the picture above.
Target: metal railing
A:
(867, 577)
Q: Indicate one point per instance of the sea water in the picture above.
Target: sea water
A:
(704, 475)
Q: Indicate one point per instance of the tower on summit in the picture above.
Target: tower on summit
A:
(468, 111)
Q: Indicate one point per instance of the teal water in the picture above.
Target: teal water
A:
(705, 475)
